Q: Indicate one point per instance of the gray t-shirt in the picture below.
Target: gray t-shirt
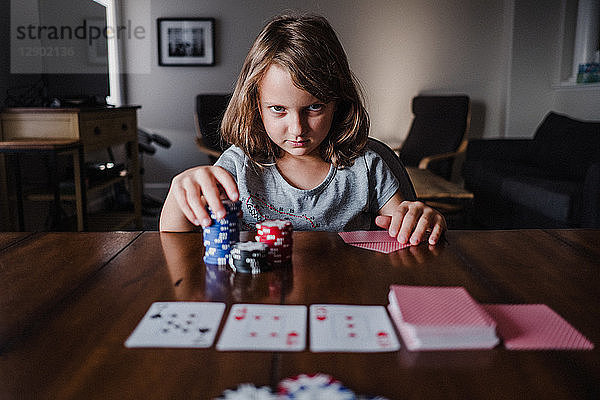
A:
(348, 199)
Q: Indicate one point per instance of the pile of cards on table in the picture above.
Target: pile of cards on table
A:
(448, 318)
(438, 318)
(380, 241)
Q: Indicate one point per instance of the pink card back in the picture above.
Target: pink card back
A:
(535, 327)
(439, 306)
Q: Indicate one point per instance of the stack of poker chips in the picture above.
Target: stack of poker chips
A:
(277, 234)
(249, 257)
(222, 234)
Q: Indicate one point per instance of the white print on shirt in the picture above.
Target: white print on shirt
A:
(260, 210)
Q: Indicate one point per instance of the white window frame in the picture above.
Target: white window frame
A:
(116, 96)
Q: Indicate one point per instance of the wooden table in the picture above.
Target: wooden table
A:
(68, 301)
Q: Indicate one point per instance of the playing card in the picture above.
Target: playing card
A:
(535, 327)
(366, 236)
(382, 247)
(373, 240)
(178, 324)
(264, 327)
(349, 328)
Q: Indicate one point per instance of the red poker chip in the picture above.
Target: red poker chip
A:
(278, 242)
(271, 231)
(277, 234)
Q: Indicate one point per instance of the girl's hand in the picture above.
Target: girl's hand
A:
(189, 194)
(411, 222)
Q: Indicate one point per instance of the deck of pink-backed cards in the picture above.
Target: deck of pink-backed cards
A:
(535, 327)
(373, 240)
(448, 318)
(440, 318)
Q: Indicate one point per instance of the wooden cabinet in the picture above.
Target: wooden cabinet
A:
(93, 129)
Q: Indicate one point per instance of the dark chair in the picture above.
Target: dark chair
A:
(550, 181)
(210, 109)
(395, 165)
(393, 162)
(438, 133)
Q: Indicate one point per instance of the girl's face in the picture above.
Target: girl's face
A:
(295, 120)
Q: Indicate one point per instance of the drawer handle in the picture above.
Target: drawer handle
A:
(124, 127)
(97, 130)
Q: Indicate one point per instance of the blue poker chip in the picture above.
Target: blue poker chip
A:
(216, 229)
(222, 234)
(213, 251)
(216, 260)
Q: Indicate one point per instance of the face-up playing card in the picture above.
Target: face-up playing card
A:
(178, 324)
(349, 328)
(264, 327)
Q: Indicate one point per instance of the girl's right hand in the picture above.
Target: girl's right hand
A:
(189, 194)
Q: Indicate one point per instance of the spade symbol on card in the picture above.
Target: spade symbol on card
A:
(156, 316)
(204, 330)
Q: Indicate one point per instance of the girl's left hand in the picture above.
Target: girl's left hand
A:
(411, 222)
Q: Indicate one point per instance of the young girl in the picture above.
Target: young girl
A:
(298, 130)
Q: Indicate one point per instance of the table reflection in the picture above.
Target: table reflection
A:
(415, 256)
(193, 280)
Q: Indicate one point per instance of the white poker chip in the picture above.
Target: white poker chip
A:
(319, 386)
(247, 391)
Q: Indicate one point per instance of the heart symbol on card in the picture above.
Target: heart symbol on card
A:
(292, 338)
(240, 314)
(383, 339)
(321, 313)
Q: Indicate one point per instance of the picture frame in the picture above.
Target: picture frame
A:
(186, 42)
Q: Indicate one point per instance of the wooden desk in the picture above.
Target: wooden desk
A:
(68, 301)
(94, 128)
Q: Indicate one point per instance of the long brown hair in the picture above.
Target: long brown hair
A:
(308, 48)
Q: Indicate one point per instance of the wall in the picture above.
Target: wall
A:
(537, 69)
(397, 49)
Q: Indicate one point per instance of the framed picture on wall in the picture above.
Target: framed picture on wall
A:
(186, 41)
